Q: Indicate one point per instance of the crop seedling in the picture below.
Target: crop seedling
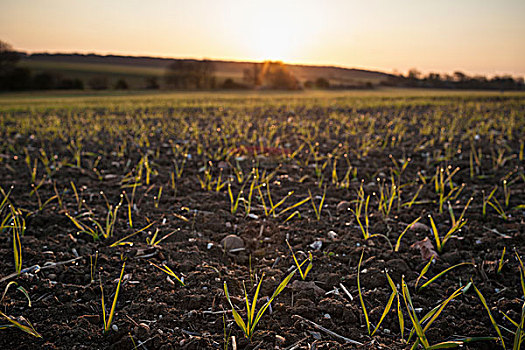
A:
(19, 322)
(299, 266)
(252, 319)
(398, 243)
(318, 210)
(440, 242)
(108, 320)
(167, 270)
(388, 304)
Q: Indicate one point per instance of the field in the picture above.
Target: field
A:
(135, 70)
(389, 219)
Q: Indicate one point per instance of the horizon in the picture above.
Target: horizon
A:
(474, 37)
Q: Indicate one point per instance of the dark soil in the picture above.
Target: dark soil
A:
(155, 312)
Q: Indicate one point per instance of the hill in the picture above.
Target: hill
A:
(135, 70)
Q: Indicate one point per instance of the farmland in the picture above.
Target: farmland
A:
(369, 219)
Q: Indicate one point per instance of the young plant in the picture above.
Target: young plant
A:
(252, 319)
(167, 270)
(299, 266)
(403, 233)
(501, 261)
(456, 226)
(109, 319)
(492, 320)
(388, 304)
(318, 210)
(20, 322)
(18, 229)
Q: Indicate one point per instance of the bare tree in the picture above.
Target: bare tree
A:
(8, 57)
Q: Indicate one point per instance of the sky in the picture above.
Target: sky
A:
(475, 36)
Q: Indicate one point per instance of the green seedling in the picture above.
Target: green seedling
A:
(18, 229)
(93, 266)
(492, 320)
(501, 260)
(234, 202)
(388, 304)
(440, 242)
(19, 322)
(403, 233)
(318, 210)
(109, 319)
(167, 270)
(123, 241)
(153, 241)
(299, 266)
(252, 319)
(494, 203)
(433, 279)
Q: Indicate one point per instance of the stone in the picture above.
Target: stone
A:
(232, 242)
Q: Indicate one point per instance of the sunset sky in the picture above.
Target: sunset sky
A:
(475, 36)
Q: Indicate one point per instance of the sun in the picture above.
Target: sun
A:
(278, 31)
(274, 43)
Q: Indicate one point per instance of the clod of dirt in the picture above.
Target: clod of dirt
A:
(307, 286)
(419, 226)
(397, 268)
(232, 242)
(425, 248)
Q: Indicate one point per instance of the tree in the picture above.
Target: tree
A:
(151, 83)
(121, 84)
(98, 83)
(413, 74)
(322, 83)
(191, 75)
(252, 76)
(8, 57)
(275, 75)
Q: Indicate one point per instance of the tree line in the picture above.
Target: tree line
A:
(457, 80)
(202, 75)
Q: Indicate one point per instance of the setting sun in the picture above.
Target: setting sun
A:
(278, 30)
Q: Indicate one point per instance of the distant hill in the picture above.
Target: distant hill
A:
(135, 70)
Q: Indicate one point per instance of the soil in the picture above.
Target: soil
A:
(156, 312)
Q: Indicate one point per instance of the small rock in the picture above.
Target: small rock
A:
(232, 242)
(332, 235)
(316, 245)
(327, 316)
(209, 246)
(279, 339)
(114, 327)
(253, 216)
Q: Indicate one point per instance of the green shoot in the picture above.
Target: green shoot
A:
(501, 261)
(413, 316)
(440, 274)
(361, 294)
(309, 259)
(27, 327)
(317, 210)
(492, 320)
(166, 269)
(403, 233)
(109, 320)
(252, 319)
